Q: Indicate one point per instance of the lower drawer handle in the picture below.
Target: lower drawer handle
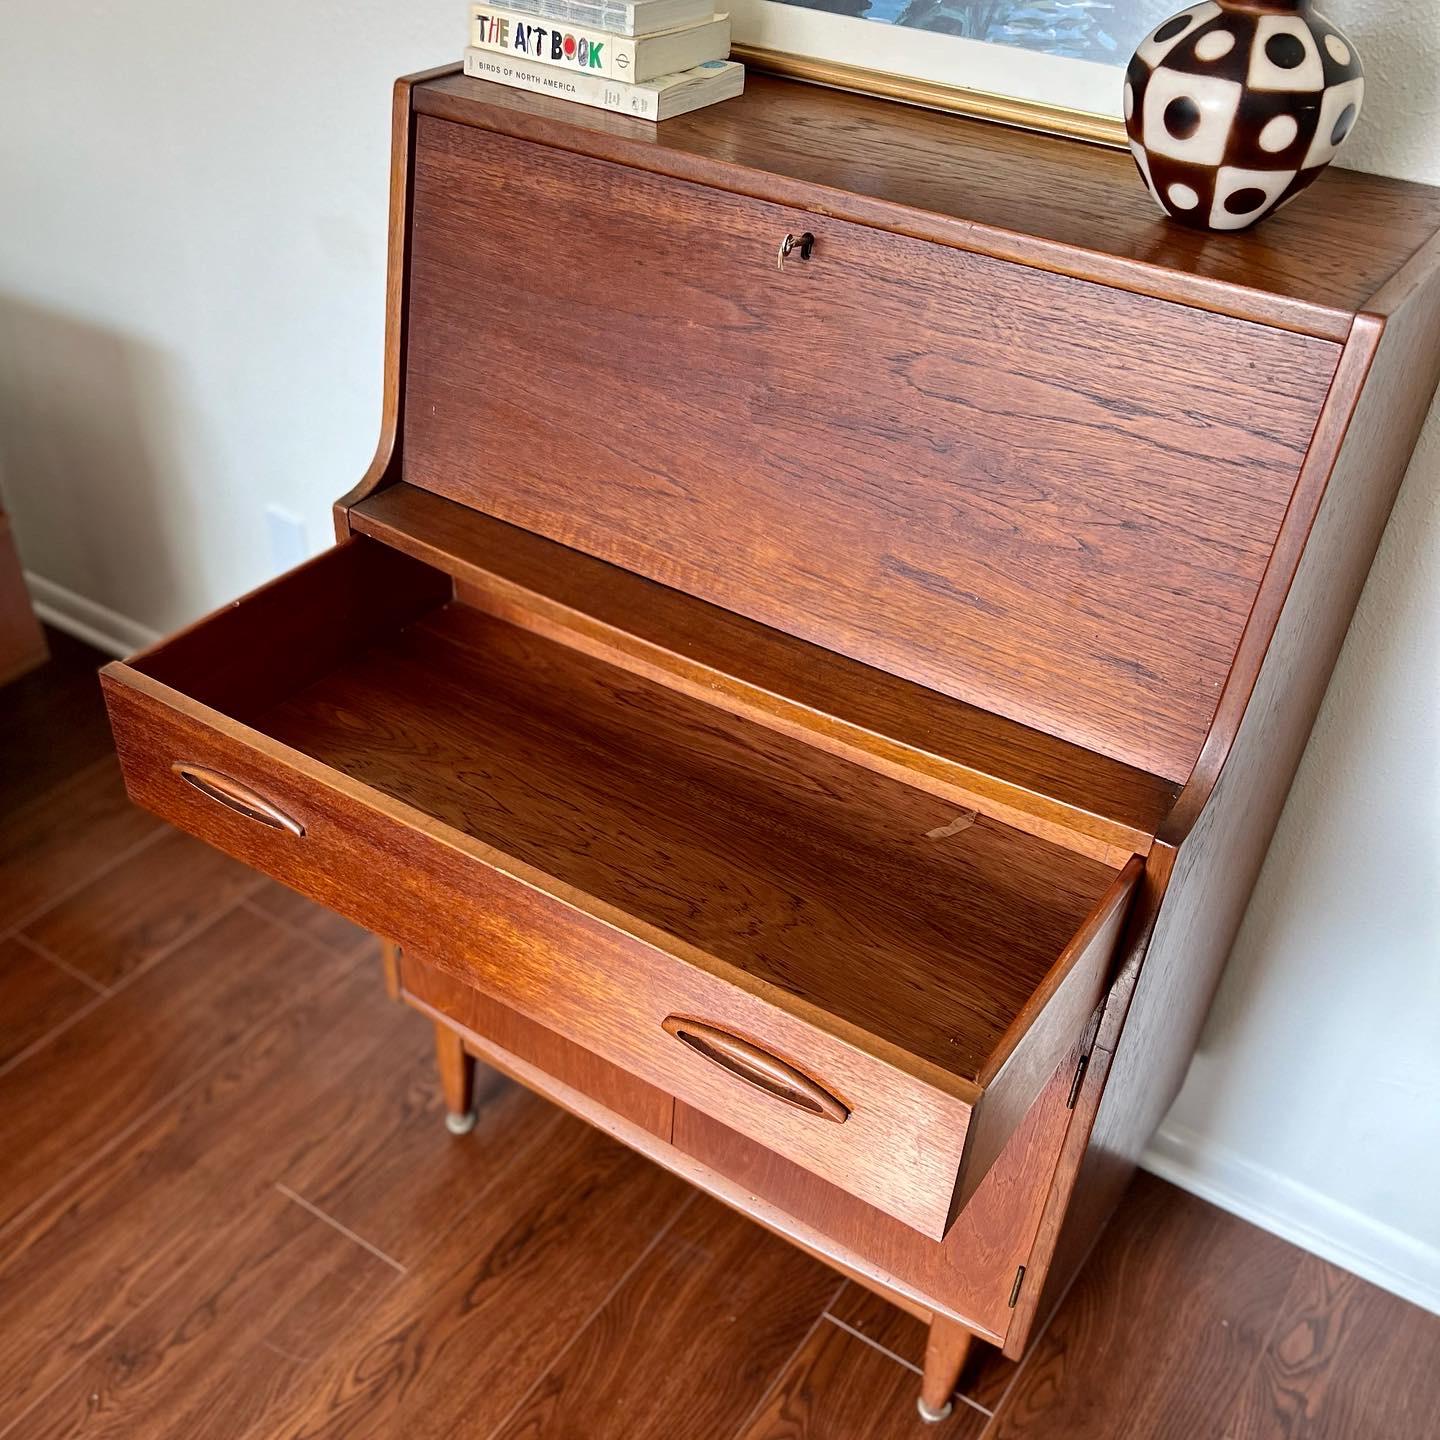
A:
(235, 796)
(753, 1065)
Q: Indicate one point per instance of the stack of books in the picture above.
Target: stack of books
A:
(651, 58)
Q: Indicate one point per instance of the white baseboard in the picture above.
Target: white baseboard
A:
(97, 625)
(1377, 1252)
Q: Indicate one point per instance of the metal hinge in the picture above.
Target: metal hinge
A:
(1078, 1081)
(1015, 1288)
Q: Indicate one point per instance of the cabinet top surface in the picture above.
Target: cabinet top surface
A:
(1050, 201)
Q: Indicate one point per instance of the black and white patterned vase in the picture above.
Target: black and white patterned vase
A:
(1235, 106)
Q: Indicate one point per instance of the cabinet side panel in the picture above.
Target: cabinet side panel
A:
(1219, 862)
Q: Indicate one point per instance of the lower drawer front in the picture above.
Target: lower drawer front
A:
(451, 1000)
(896, 1142)
(972, 1275)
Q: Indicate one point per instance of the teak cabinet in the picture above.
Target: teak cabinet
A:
(819, 716)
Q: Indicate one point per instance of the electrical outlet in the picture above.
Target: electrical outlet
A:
(287, 537)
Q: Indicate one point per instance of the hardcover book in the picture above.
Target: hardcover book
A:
(658, 99)
(619, 17)
(634, 58)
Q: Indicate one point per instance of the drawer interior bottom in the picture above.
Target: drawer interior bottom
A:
(845, 888)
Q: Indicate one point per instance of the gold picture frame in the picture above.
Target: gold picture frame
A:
(932, 95)
(1056, 66)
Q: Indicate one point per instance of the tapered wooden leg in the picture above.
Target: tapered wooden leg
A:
(457, 1080)
(945, 1354)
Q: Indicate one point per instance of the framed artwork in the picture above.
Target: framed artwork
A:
(1056, 65)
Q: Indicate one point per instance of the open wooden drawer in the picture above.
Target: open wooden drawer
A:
(844, 968)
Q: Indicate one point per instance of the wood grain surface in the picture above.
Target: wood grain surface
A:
(1220, 1288)
(1343, 1359)
(985, 490)
(240, 1330)
(36, 994)
(250, 655)
(1216, 866)
(837, 1385)
(374, 1154)
(1082, 1190)
(311, 922)
(987, 1373)
(500, 1295)
(457, 1072)
(161, 1274)
(121, 1231)
(1041, 200)
(43, 1122)
(1020, 776)
(152, 899)
(488, 918)
(997, 511)
(442, 996)
(61, 702)
(1226, 1332)
(725, 1305)
(791, 888)
(807, 873)
(85, 821)
(1061, 1015)
(971, 1276)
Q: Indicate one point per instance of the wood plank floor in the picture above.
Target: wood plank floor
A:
(229, 1209)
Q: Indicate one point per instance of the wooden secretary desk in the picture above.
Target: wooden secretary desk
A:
(817, 710)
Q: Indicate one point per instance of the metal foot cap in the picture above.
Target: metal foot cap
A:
(460, 1124)
(933, 1417)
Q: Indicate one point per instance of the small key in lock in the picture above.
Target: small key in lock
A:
(805, 243)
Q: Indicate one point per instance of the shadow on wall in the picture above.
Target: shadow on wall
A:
(1396, 134)
(1317, 992)
(89, 462)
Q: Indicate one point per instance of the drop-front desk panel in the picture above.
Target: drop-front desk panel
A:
(819, 716)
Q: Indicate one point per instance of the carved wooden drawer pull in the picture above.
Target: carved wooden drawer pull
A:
(235, 796)
(749, 1063)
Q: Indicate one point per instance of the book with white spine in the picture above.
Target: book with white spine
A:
(658, 99)
(619, 17)
(634, 58)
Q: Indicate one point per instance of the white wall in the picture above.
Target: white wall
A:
(192, 263)
(191, 283)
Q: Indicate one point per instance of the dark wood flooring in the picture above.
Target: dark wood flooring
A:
(229, 1208)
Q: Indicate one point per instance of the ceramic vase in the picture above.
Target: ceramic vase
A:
(1235, 106)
